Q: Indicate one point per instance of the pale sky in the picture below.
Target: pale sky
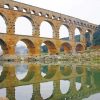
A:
(83, 9)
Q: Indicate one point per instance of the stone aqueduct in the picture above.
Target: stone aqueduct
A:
(36, 15)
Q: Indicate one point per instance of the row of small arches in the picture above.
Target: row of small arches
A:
(16, 8)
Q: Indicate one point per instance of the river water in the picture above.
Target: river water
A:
(52, 81)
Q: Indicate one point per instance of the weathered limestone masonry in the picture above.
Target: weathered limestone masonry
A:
(36, 16)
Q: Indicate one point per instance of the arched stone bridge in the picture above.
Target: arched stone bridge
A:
(11, 10)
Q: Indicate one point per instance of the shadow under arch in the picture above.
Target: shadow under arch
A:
(66, 47)
(79, 47)
(30, 26)
(65, 70)
(4, 46)
(51, 47)
(49, 71)
(88, 37)
(30, 46)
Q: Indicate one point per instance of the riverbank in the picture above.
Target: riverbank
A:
(88, 56)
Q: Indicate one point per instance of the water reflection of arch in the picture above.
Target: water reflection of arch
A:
(4, 46)
(66, 70)
(4, 74)
(79, 70)
(30, 73)
(50, 71)
(89, 77)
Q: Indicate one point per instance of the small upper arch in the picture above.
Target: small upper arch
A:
(46, 29)
(15, 8)
(7, 6)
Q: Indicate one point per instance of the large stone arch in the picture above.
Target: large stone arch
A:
(30, 45)
(49, 71)
(29, 20)
(4, 46)
(67, 27)
(80, 29)
(77, 36)
(50, 27)
(5, 21)
(88, 37)
(52, 49)
(80, 47)
(66, 47)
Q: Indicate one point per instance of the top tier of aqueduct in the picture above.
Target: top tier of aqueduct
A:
(46, 13)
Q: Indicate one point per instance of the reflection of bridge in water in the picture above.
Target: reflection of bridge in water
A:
(37, 74)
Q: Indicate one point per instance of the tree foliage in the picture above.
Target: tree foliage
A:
(96, 37)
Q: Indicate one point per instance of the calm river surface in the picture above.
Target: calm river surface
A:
(61, 81)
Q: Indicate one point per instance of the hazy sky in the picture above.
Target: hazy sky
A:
(84, 9)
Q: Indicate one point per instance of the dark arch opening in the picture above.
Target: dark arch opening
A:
(48, 47)
(77, 34)
(87, 38)
(79, 47)
(24, 26)
(44, 49)
(46, 29)
(65, 48)
(79, 70)
(3, 47)
(3, 73)
(66, 71)
(48, 71)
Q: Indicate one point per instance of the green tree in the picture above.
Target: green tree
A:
(96, 37)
